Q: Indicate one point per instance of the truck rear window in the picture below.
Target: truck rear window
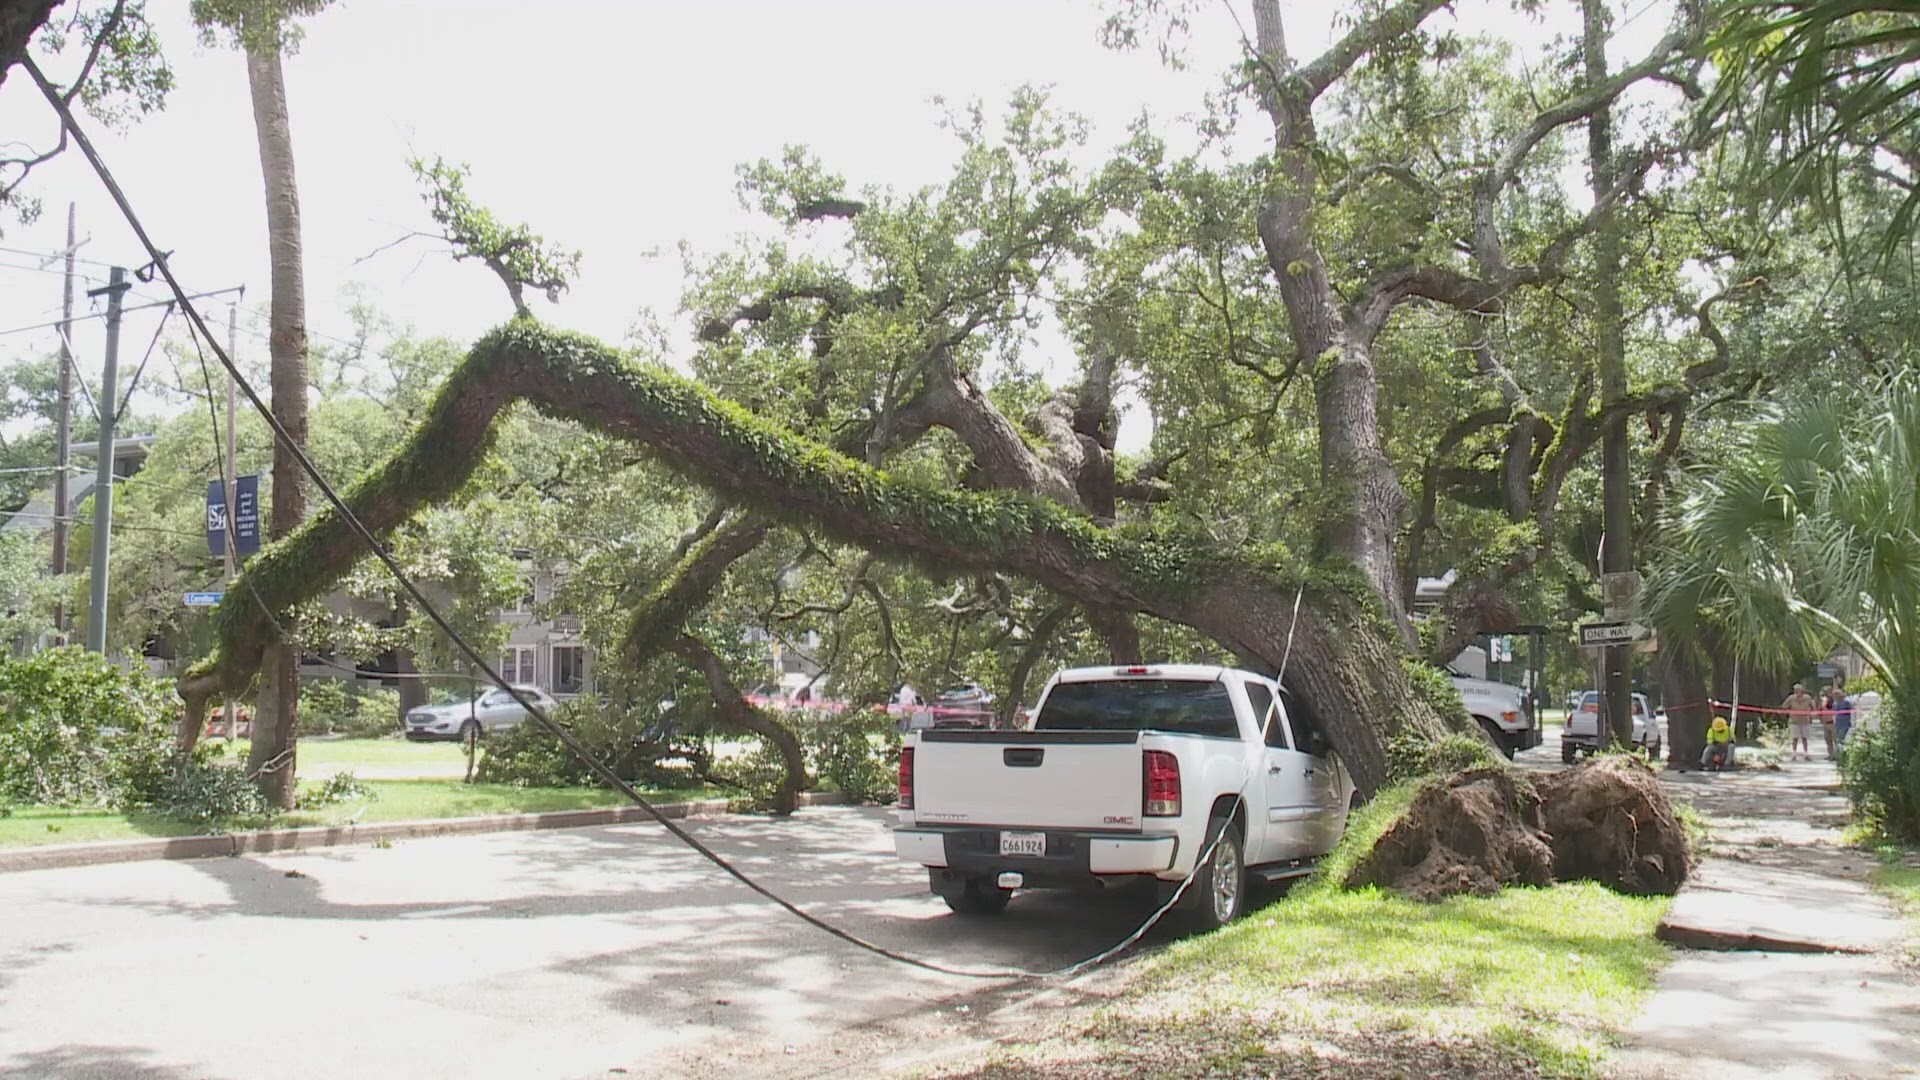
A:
(1181, 706)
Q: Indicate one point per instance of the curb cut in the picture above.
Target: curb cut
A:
(61, 856)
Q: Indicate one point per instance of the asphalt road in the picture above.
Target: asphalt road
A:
(577, 953)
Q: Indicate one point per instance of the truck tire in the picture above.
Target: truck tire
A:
(1568, 752)
(1220, 886)
(978, 897)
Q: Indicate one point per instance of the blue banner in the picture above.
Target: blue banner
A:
(246, 515)
(216, 518)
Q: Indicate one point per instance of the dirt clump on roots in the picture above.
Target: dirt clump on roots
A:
(1475, 832)
(1611, 822)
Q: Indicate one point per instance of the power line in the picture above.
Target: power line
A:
(136, 307)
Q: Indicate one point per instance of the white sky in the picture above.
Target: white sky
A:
(611, 126)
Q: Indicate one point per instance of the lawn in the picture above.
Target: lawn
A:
(1331, 983)
(389, 759)
(394, 800)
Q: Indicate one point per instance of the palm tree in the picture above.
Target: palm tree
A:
(1824, 90)
(1805, 534)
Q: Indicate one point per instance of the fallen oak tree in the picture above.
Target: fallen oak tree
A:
(1348, 664)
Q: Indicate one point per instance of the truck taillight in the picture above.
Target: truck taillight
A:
(906, 778)
(1163, 784)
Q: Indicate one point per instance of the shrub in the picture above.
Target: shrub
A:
(77, 731)
(329, 707)
(753, 779)
(338, 788)
(1881, 770)
(642, 746)
(856, 753)
(208, 794)
(1410, 757)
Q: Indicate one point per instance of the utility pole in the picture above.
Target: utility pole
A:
(63, 427)
(115, 290)
(227, 481)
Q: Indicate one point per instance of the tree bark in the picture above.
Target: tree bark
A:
(19, 20)
(1683, 687)
(275, 724)
(1357, 683)
(1116, 628)
(740, 713)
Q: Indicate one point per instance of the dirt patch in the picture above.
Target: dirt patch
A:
(1475, 832)
(1610, 821)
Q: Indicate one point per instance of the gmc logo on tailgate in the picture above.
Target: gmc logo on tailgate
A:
(1113, 820)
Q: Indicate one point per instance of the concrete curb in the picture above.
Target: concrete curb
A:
(57, 856)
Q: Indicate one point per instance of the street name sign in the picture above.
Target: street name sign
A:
(1614, 633)
(204, 599)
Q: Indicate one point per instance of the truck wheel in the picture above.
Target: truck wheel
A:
(978, 897)
(1568, 752)
(1653, 752)
(1220, 886)
(1500, 740)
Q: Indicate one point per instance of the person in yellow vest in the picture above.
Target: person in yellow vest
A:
(1719, 750)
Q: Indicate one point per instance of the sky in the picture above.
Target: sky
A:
(613, 126)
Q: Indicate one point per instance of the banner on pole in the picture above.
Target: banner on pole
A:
(246, 515)
(216, 518)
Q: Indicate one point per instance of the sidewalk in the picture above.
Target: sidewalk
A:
(1791, 965)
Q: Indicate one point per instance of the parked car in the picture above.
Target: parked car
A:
(964, 705)
(1127, 776)
(1582, 733)
(493, 710)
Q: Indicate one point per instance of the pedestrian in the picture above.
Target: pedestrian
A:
(1800, 708)
(1842, 709)
(907, 702)
(1718, 753)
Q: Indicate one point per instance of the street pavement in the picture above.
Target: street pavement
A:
(576, 953)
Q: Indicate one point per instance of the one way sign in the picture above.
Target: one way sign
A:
(1613, 633)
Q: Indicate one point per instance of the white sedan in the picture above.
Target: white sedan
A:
(494, 710)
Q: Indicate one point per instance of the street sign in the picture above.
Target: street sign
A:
(1618, 633)
(204, 599)
(216, 519)
(246, 514)
(1620, 593)
(1827, 670)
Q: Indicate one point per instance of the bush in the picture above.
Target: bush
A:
(77, 731)
(856, 753)
(753, 779)
(338, 788)
(1411, 757)
(642, 746)
(208, 794)
(329, 707)
(1881, 770)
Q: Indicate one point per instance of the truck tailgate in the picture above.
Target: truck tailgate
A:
(1042, 779)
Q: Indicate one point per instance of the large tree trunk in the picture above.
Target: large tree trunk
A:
(1363, 496)
(1347, 660)
(1683, 687)
(19, 20)
(275, 725)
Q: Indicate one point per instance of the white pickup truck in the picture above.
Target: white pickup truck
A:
(1504, 712)
(1126, 776)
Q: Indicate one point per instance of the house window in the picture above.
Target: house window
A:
(516, 665)
(569, 669)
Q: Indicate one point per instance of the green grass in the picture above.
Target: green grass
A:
(395, 800)
(1335, 983)
(1899, 880)
(324, 757)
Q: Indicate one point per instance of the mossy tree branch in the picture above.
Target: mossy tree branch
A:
(1345, 661)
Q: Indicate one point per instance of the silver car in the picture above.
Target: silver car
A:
(494, 710)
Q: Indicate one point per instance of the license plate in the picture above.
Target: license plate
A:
(1023, 843)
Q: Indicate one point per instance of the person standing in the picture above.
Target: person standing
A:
(1841, 708)
(907, 702)
(1800, 708)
